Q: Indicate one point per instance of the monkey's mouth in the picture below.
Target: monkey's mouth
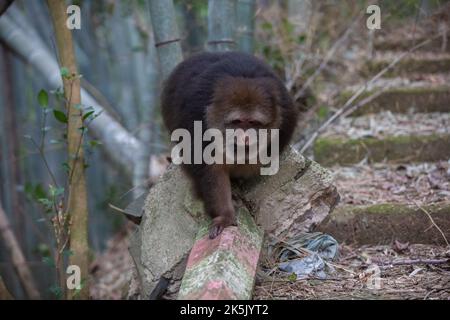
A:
(240, 151)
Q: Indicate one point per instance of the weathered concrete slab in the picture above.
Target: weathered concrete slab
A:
(297, 198)
(384, 223)
(329, 151)
(166, 234)
(393, 44)
(412, 65)
(224, 268)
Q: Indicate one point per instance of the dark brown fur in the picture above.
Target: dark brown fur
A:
(212, 87)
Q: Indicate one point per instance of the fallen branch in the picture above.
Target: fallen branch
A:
(17, 257)
(4, 292)
(4, 5)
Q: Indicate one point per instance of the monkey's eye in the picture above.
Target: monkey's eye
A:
(236, 122)
(255, 123)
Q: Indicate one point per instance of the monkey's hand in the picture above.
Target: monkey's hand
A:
(220, 223)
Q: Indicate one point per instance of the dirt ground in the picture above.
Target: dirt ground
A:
(393, 183)
(405, 272)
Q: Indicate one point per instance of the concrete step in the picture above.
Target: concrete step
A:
(386, 222)
(417, 63)
(403, 96)
(329, 151)
(417, 137)
(439, 44)
(381, 203)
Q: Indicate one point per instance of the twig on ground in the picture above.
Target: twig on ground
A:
(412, 262)
(432, 221)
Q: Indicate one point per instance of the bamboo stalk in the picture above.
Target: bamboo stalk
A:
(167, 37)
(221, 21)
(245, 12)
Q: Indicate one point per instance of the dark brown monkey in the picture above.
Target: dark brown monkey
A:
(225, 91)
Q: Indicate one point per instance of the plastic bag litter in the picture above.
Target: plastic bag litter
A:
(306, 255)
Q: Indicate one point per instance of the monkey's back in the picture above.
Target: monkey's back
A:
(189, 88)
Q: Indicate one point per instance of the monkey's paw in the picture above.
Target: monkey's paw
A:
(219, 224)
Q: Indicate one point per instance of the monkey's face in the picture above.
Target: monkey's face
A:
(241, 104)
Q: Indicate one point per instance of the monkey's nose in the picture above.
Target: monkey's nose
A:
(247, 140)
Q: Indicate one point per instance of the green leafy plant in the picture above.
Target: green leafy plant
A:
(53, 199)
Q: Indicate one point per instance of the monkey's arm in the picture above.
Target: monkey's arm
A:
(214, 188)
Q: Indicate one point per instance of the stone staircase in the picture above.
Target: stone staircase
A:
(391, 157)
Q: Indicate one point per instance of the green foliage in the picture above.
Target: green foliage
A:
(323, 112)
(94, 143)
(67, 253)
(43, 98)
(48, 204)
(60, 116)
(405, 8)
(267, 26)
(58, 93)
(43, 250)
(52, 199)
(273, 56)
(87, 115)
(34, 192)
(287, 27)
(55, 192)
(66, 167)
(301, 38)
(56, 291)
(292, 277)
(65, 72)
(48, 261)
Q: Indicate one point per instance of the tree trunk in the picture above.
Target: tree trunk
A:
(17, 257)
(77, 196)
(221, 24)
